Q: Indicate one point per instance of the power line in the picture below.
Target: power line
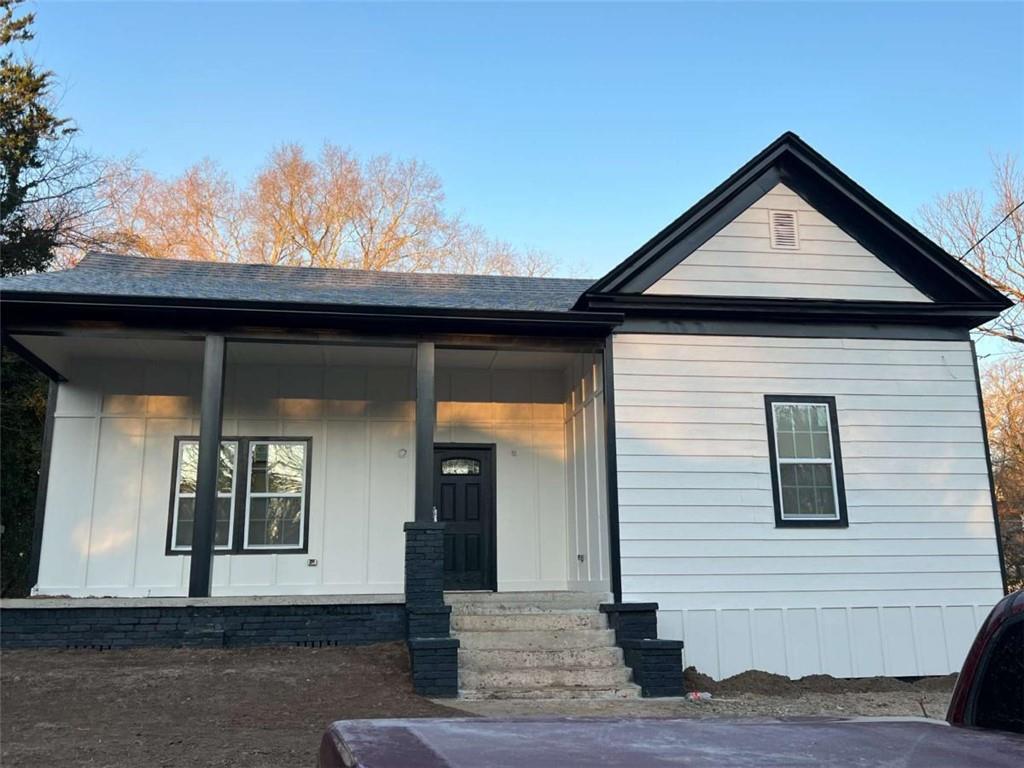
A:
(982, 240)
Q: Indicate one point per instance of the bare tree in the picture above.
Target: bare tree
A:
(1004, 414)
(987, 232)
(329, 211)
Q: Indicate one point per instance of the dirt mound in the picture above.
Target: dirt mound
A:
(768, 684)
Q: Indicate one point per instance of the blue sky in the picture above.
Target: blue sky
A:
(577, 129)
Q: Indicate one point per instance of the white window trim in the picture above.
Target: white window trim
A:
(301, 496)
(779, 461)
(178, 495)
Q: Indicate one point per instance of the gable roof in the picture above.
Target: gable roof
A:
(791, 161)
(135, 277)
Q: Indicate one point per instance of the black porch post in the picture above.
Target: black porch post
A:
(211, 411)
(612, 469)
(425, 416)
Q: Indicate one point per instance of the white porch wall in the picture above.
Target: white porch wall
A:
(586, 478)
(110, 474)
(900, 592)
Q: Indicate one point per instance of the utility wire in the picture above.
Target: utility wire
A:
(982, 240)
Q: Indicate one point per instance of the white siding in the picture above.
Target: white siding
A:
(588, 552)
(899, 592)
(829, 264)
(110, 476)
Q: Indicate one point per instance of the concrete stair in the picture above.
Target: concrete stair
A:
(537, 645)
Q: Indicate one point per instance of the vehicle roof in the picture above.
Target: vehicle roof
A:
(640, 742)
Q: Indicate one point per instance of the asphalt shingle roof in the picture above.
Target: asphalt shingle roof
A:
(104, 274)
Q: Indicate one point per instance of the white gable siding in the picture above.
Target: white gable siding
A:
(829, 264)
(899, 592)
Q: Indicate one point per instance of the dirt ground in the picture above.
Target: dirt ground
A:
(176, 707)
(266, 707)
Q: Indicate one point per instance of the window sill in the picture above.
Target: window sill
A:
(782, 523)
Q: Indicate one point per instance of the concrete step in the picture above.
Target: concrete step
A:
(537, 640)
(519, 621)
(544, 677)
(627, 691)
(513, 601)
(569, 657)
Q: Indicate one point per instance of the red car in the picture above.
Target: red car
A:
(990, 690)
(988, 701)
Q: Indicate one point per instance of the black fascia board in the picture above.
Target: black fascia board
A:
(32, 308)
(956, 314)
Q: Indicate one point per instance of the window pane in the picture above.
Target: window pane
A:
(226, 470)
(807, 490)
(278, 468)
(188, 466)
(819, 418)
(220, 538)
(188, 463)
(275, 521)
(801, 420)
(784, 418)
(787, 445)
(822, 450)
(802, 431)
(187, 517)
(258, 476)
(804, 450)
(460, 467)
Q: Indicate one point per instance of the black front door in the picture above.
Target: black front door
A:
(464, 498)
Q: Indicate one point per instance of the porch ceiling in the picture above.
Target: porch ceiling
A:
(58, 352)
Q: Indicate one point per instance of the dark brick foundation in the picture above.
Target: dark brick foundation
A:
(657, 664)
(435, 666)
(632, 621)
(433, 654)
(201, 626)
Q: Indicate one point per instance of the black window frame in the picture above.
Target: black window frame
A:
(842, 520)
(241, 496)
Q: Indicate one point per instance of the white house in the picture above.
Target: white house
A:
(767, 420)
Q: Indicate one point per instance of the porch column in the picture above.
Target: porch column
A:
(211, 413)
(425, 416)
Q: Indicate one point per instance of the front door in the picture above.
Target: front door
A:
(464, 499)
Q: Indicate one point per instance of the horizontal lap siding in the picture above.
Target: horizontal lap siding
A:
(900, 592)
(829, 264)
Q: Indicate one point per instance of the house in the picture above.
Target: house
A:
(763, 428)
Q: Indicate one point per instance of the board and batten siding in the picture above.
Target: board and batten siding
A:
(105, 527)
(586, 481)
(829, 264)
(900, 592)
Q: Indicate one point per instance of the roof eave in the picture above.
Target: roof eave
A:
(32, 308)
(965, 315)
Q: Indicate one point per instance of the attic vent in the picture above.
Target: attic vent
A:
(783, 229)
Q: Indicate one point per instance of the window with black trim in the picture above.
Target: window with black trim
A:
(262, 495)
(806, 461)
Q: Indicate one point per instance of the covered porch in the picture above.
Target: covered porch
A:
(328, 446)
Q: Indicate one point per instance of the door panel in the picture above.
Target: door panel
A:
(464, 497)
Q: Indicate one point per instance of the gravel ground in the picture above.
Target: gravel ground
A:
(757, 694)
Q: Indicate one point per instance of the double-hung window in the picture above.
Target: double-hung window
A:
(262, 495)
(806, 462)
(277, 495)
(184, 502)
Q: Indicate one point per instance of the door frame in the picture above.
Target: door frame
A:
(492, 449)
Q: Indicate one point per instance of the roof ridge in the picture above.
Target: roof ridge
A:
(108, 256)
